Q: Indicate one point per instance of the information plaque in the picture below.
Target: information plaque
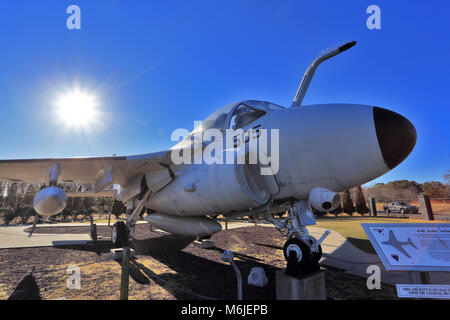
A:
(411, 246)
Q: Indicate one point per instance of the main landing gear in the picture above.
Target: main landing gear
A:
(301, 250)
(121, 231)
(119, 235)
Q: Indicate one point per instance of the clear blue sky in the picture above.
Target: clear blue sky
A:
(160, 65)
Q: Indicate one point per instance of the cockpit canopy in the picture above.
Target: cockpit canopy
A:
(238, 115)
(234, 116)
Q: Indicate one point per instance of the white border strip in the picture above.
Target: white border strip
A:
(423, 291)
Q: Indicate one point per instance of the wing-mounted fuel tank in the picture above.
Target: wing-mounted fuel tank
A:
(50, 201)
(213, 188)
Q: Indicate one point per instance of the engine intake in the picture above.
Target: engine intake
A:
(323, 199)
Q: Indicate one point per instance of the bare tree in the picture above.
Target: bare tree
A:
(447, 177)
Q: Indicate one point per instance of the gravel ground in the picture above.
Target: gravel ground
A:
(167, 267)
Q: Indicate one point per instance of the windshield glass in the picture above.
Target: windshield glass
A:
(263, 104)
(244, 116)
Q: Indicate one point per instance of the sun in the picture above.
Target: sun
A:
(77, 109)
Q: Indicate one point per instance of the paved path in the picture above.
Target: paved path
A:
(15, 237)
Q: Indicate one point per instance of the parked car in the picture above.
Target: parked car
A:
(401, 207)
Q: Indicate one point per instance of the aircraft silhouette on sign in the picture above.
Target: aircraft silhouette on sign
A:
(397, 244)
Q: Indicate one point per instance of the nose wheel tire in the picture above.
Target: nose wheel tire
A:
(298, 257)
(119, 235)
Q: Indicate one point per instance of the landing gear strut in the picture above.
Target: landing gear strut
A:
(301, 250)
(121, 231)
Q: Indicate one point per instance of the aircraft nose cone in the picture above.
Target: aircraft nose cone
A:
(396, 136)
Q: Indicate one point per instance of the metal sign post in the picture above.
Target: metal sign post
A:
(125, 275)
(372, 207)
(425, 205)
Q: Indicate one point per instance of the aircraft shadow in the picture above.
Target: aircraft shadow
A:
(200, 275)
(192, 276)
(27, 289)
(362, 244)
(99, 246)
(268, 246)
(135, 272)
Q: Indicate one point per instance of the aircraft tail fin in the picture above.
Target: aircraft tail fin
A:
(309, 73)
(411, 243)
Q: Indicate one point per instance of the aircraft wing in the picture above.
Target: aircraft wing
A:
(83, 170)
(400, 248)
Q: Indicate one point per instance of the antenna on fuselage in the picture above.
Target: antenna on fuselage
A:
(309, 73)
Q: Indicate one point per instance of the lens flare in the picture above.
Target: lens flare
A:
(78, 109)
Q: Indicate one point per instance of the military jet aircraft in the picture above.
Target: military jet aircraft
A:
(322, 149)
(393, 242)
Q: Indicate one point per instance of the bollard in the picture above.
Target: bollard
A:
(425, 205)
(372, 207)
(125, 275)
(228, 256)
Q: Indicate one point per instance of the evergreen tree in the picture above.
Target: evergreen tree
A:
(30, 192)
(7, 215)
(2, 193)
(361, 205)
(11, 197)
(143, 211)
(118, 208)
(24, 213)
(347, 203)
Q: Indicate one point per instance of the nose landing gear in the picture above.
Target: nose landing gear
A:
(301, 250)
(298, 257)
